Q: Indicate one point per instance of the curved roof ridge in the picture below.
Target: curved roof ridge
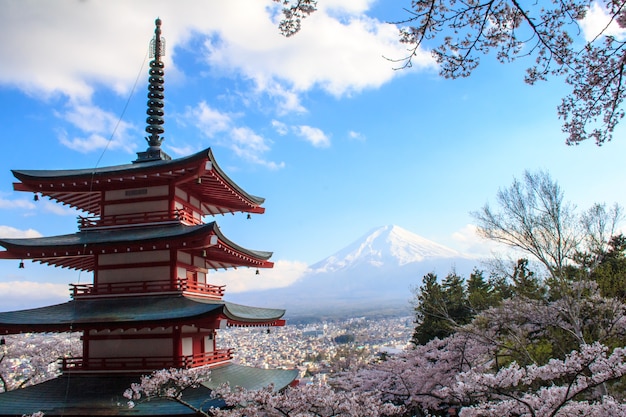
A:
(265, 255)
(59, 249)
(127, 311)
(240, 312)
(53, 173)
(95, 179)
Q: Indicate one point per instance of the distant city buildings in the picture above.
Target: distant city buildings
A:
(312, 348)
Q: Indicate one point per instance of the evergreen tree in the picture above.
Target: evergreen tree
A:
(440, 308)
(526, 283)
(430, 313)
(456, 302)
(481, 293)
(502, 288)
(610, 274)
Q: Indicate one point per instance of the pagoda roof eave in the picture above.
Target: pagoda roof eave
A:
(78, 250)
(89, 395)
(96, 395)
(250, 378)
(144, 311)
(80, 188)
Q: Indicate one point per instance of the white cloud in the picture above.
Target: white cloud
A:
(29, 205)
(8, 232)
(182, 150)
(251, 146)
(283, 274)
(72, 47)
(468, 241)
(339, 51)
(68, 50)
(287, 100)
(104, 130)
(313, 135)
(356, 135)
(338, 7)
(17, 204)
(208, 120)
(61, 210)
(246, 143)
(27, 294)
(280, 127)
(596, 21)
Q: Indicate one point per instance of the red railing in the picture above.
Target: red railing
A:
(143, 287)
(200, 288)
(207, 358)
(142, 364)
(182, 215)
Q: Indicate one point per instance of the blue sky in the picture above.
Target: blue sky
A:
(320, 124)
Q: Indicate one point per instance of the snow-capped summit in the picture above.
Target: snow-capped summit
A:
(385, 246)
(373, 275)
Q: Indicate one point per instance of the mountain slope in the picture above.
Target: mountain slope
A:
(385, 246)
(372, 275)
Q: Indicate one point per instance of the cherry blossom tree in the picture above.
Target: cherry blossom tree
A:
(533, 216)
(419, 379)
(310, 400)
(591, 61)
(553, 34)
(32, 358)
(535, 353)
(463, 372)
(506, 362)
(315, 400)
(293, 13)
(168, 384)
(558, 388)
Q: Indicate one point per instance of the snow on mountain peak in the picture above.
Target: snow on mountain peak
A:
(387, 245)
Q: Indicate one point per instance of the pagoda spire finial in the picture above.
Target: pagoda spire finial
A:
(155, 112)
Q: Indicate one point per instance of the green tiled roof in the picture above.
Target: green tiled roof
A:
(100, 395)
(139, 234)
(94, 396)
(128, 310)
(131, 169)
(240, 312)
(250, 378)
(111, 236)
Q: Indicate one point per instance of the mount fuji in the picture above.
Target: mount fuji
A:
(372, 276)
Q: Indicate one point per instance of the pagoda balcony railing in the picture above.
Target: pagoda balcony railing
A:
(184, 216)
(145, 363)
(146, 287)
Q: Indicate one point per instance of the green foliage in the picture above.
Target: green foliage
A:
(344, 338)
(526, 283)
(455, 299)
(481, 294)
(541, 350)
(502, 288)
(610, 274)
(430, 317)
(440, 308)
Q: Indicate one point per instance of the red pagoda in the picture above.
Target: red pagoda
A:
(151, 304)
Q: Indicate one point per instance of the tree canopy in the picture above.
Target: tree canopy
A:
(533, 216)
(591, 60)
